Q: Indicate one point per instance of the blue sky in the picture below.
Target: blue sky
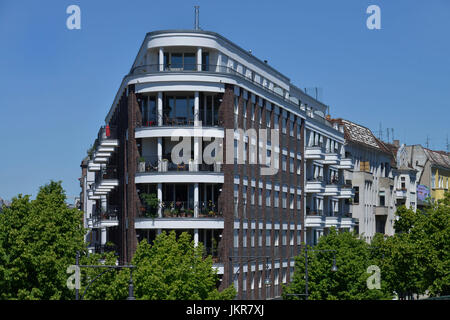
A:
(58, 84)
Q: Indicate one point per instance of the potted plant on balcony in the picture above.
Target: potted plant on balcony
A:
(189, 213)
(164, 165)
(151, 203)
(141, 164)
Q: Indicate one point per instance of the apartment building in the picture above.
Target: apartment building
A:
(433, 172)
(372, 179)
(204, 137)
(405, 176)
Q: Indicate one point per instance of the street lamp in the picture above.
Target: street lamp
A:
(108, 268)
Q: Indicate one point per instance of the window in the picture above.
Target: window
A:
(356, 197)
(267, 198)
(284, 200)
(178, 110)
(205, 61)
(403, 183)
(283, 162)
(260, 232)
(253, 112)
(382, 198)
(276, 199)
(260, 197)
(275, 121)
(291, 165)
(244, 109)
(267, 238)
(180, 61)
(252, 197)
(283, 127)
(268, 114)
(149, 110)
(433, 180)
(277, 237)
(284, 238)
(291, 201)
(291, 128)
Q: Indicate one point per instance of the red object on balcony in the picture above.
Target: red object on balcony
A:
(108, 133)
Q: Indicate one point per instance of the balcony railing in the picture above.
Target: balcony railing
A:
(111, 214)
(153, 165)
(183, 209)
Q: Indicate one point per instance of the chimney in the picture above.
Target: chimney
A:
(397, 143)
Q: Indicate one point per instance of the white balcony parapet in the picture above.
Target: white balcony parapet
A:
(346, 192)
(401, 194)
(331, 190)
(315, 186)
(180, 177)
(179, 223)
(345, 163)
(331, 158)
(314, 153)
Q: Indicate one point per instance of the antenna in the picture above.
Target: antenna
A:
(387, 133)
(448, 146)
(392, 129)
(428, 142)
(380, 133)
(196, 23)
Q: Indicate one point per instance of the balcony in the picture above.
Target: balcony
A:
(314, 153)
(401, 194)
(331, 158)
(207, 68)
(345, 163)
(332, 188)
(104, 145)
(315, 185)
(381, 211)
(106, 218)
(187, 209)
(346, 192)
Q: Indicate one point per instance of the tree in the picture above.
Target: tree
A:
(38, 239)
(417, 258)
(349, 282)
(170, 269)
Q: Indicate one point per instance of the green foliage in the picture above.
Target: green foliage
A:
(38, 239)
(417, 258)
(348, 283)
(151, 202)
(170, 269)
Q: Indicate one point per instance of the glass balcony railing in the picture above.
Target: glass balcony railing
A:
(183, 209)
(154, 165)
(246, 74)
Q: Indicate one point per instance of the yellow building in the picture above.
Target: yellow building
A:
(440, 173)
(440, 180)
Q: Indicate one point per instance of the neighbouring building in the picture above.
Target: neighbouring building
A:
(405, 176)
(433, 172)
(251, 197)
(372, 179)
